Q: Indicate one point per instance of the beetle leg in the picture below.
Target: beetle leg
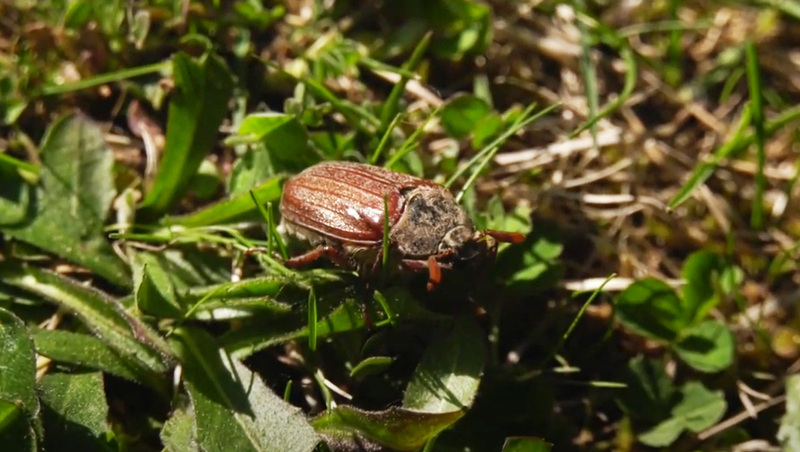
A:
(504, 236)
(434, 273)
(332, 253)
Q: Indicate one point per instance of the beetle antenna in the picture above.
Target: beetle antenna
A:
(505, 236)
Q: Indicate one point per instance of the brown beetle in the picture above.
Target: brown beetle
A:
(339, 208)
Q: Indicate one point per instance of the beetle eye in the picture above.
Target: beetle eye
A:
(404, 191)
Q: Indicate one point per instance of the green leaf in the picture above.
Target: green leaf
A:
(663, 434)
(18, 402)
(371, 366)
(199, 103)
(18, 371)
(133, 340)
(462, 115)
(346, 316)
(532, 265)
(234, 210)
(708, 347)
(74, 411)
(652, 309)
(526, 444)
(396, 429)
(249, 171)
(84, 350)
(789, 432)
(15, 195)
(234, 409)
(9, 415)
(449, 374)
(66, 216)
(17, 434)
(155, 293)
(460, 27)
(702, 272)
(178, 433)
(649, 394)
(698, 409)
(285, 139)
(78, 13)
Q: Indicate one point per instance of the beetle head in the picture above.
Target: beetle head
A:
(432, 223)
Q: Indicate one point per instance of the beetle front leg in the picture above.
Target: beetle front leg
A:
(431, 265)
(333, 254)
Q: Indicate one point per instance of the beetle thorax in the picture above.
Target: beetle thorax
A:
(431, 223)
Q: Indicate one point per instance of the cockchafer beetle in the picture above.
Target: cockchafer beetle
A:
(339, 208)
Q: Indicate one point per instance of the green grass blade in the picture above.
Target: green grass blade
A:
(312, 320)
(706, 169)
(385, 139)
(757, 111)
(588, 71)
(105, 78)
(488, 153)
(390, 107)
(234, 210)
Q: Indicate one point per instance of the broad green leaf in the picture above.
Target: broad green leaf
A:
(178, 433)
(9, 414)
(530, 266)
(189, 267)
(15, 196)
(17, 433)
(155, 293)
(248, 297)
(460, 27)
(345, 427)
(18, 369)
(652, 309)
(708, 347)
(649, 395)
(234, 210)
(84, 350)
(348, 316)
(250, 170)
(67, 214)
(78, 13)
(131, 338)
(285, 139)
(702, 272)
(526, 444)
(263, 286)
(199, 103)
(370, 366)
(239, 308)
(789, 432)
(18, 402)
(234, 409)
(663, 434)
(698, 409)
(449, 374)
(462, 114)
(74, 411)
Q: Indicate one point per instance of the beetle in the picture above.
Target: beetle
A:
(339, 208)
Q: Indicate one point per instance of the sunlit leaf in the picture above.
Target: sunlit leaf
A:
(74, 411)
(69, 210)
(234, 409)
(198, 105)
(345, 427)
(449, 374)
(708, 346)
